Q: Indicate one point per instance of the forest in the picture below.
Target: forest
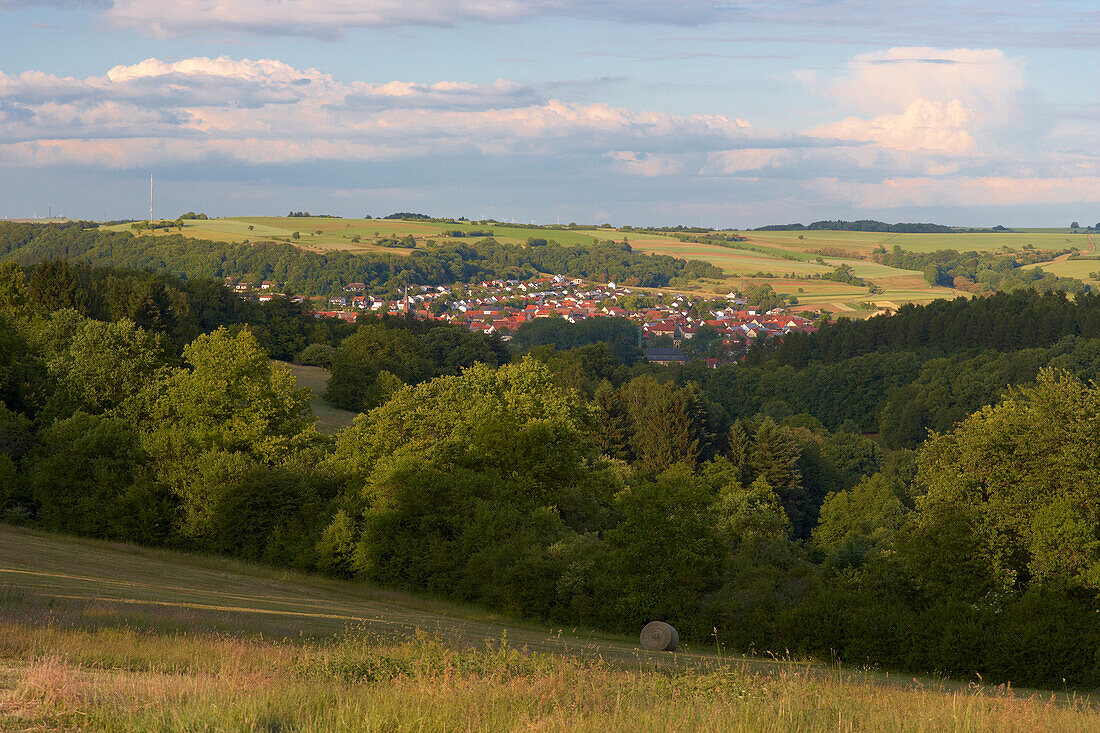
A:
(977, 272)
(915, 492)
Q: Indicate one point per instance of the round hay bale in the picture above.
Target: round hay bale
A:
(657, 636)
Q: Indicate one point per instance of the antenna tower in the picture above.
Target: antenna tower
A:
(150, 199)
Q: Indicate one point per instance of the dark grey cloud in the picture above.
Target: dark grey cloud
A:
(450, 97)
(934, 22)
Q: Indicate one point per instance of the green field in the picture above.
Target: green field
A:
(104, 636)
(338, 233)
(329, 419)
(1081, 269)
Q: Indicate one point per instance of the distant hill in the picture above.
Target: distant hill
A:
(870, 225)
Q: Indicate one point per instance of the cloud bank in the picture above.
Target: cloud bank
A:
(913, 127)
(267, 112)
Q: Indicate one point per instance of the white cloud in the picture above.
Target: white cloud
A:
(932, 150)
(920, 100)
(923, 126)
(890, 80)
(265, 111)
(732, 162)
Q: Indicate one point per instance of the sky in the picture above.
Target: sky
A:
(725, 114)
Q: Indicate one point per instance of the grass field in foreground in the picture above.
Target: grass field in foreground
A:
(101, 636)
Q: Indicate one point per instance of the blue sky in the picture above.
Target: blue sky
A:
(632, 112)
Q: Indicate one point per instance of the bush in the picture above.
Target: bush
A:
(319, 355)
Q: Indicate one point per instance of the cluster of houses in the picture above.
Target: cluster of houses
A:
(502, 306)
(266, 292)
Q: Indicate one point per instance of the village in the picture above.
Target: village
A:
(667, 321)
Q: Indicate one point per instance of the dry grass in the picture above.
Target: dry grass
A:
(355, 682)
(113, 640)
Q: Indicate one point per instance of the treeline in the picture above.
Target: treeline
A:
(314, 273)
(409, 216)
(461, 234)
(871, 225)
(177, 309)
(1002, 322)
(843, 273)
(382, 356)
(621, 336)
(984, 271)
(664, 230)
(707, 237)
(902, 395)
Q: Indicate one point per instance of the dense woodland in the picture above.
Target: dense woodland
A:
(977, 272)
(796, 503)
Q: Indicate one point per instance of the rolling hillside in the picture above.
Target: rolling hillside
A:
(786, 260)
(97, 635)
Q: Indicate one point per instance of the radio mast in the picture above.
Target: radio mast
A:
(150, 200)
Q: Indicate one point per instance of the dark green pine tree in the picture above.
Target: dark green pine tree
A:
(612, 424)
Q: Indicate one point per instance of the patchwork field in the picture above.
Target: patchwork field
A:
(321, 233)
(744, 266)
(104, 636)
(780, 259)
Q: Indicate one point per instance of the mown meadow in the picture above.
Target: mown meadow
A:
(104, 636)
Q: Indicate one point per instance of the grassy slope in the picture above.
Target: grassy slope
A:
(329, 418)
(96, 635)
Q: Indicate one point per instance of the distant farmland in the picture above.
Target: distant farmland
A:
(786, 260)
